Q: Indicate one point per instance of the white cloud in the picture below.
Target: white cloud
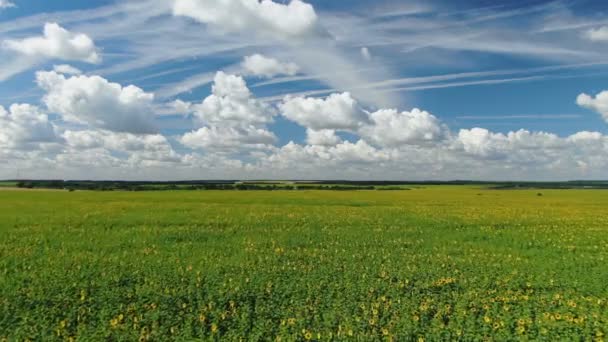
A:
(585, 137)
(598, 104)
(139, 149)
(181, 107)
(232, 103)
(267, 18)
(522, 146)
(366, 54)
(357, 152)
(232, 119)
(259, 65)
(229, 138)
(481, 142)
(25, 127)
(392, 128)
(316, 161)
(6, 4)
(337, 111)
(324, 137)
(598, 34)
(57, 43)
(99, 103)
(66, 69)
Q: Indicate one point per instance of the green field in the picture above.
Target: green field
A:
(7, 184)
(434, 263)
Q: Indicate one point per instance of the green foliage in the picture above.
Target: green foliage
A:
(439, 263)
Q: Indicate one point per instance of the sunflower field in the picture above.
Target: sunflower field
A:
(436, 263)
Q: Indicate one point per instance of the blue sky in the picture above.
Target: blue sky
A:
(479, 72)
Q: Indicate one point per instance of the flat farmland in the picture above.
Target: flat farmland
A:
(432, 263)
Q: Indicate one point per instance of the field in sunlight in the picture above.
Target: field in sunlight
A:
(443, 262)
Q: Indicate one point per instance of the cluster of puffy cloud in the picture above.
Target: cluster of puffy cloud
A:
(107, 126)
(88, 126)
(231, 118)
(471, 154)
(340, 112)
(24, 127)
(148, 149)
(599, 103)
(97, 102)
(268, 18)
(391, 144)
(56, 43)
(259, 65)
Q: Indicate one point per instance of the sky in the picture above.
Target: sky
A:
(304, 89)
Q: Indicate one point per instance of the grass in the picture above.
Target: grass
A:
(433, 263)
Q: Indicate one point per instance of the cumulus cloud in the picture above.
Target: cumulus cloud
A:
(99, 103)
(181, 107)
(6, 4)
(266, 17)
(481, 142)
(66, 69)
(25, 126)
(337, 111)
(229, 138)
(324, 137)
(391, 144)
(259, 65)
(599, 103)
(598, 34)
(231, 102)
(316, 161)
(57, 43)
(392, 128)
(138, 148)
(231, 118)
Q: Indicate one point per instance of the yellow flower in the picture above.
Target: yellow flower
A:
(487, 319)
(308, 335)
(214, 328)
